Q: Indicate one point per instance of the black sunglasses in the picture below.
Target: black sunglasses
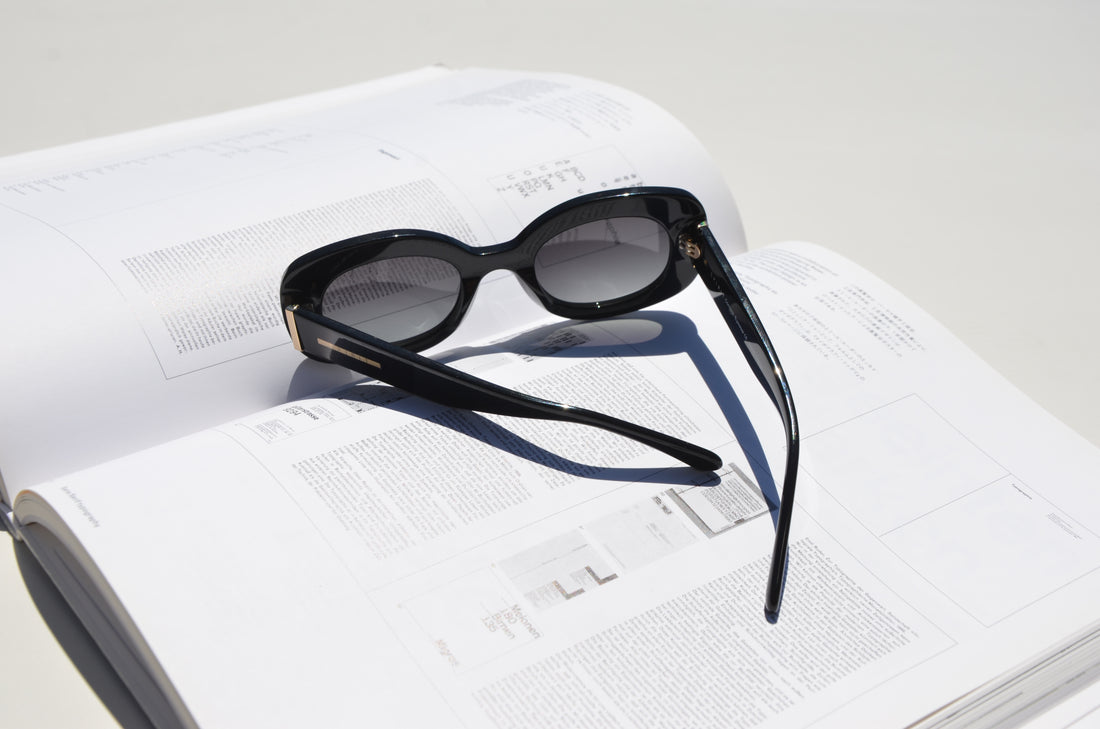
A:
(369, 303)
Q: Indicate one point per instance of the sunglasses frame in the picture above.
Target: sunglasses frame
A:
(307, 278)
(693, 250)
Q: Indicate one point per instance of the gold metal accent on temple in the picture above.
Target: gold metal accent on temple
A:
(689, 247)
(293, 326)
(348, 353)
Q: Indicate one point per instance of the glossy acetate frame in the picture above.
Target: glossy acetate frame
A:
(693, 250)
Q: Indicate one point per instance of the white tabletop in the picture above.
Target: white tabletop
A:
(952, 148)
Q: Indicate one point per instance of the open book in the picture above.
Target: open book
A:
(256, 539)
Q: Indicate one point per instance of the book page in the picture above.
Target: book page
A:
(492, 571)
(148, 266)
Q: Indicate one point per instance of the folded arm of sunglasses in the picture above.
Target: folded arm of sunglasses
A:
(328, 340)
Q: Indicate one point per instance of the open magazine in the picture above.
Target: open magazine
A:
(254, 538)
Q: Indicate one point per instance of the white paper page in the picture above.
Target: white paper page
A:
(930, 467)
(304, 534)
(150, 267)
(506, 590)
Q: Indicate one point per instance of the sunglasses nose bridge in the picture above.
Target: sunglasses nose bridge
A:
(507, 269)
(513, 255)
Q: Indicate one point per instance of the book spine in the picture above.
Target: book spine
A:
(10, 522)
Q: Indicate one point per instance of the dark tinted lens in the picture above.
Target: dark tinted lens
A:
(602, 260)
(393, 299)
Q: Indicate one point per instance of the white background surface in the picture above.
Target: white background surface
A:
(953, 148)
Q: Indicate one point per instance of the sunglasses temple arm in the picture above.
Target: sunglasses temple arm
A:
(329, 341)
(733, 302)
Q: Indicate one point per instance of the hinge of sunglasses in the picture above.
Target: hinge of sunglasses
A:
(292, 326)
(688, 246)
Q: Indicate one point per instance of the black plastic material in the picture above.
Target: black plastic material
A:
(306, 279)
(677, 211)
(454, 388)
(730, 297)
